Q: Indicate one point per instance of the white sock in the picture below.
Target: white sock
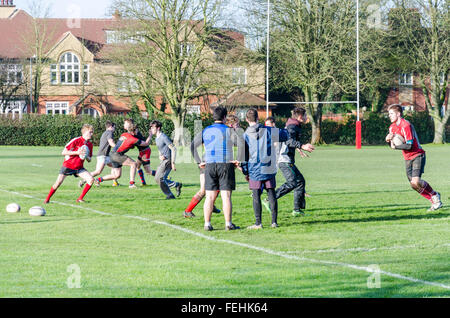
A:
(207, 223)
(229, 223)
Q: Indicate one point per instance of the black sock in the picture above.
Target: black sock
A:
(273, 204)
(257, 206)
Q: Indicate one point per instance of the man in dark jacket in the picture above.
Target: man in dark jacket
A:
(286, 161)
(260, 166)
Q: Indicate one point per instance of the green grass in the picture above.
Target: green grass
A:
(362, 212)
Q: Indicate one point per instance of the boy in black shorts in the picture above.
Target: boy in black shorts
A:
(219, 168)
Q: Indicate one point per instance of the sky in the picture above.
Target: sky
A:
(72, 8)
(80, 8)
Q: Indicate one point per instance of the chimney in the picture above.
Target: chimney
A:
(117, 15)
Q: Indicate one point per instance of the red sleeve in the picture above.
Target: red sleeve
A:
(72, 144)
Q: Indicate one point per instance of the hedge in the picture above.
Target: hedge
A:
(48, 130)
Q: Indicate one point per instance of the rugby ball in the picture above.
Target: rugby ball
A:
(398, 140)
(84, 152)
(13, 208)
(36, 211)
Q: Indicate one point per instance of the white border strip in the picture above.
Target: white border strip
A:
(252, 247)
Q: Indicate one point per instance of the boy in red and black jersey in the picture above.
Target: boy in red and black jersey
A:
(73, 164)
(414, 155)
(144, 157)
(126, 142)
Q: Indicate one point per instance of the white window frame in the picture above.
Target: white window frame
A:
(193, 109)
(69, 68)
(239, 76)
(186, 49)
(441, 79)
(12, 72)
(60, 106)
(91, 112)
(14, 107)
(86, 75)
(403, 79)
(126, 83)
(119, 37)
(54, 72)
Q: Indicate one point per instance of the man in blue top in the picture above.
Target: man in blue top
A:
(219, 167)
(260, 165)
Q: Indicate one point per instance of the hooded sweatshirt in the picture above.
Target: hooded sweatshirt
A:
(287, 150)
(260, 152)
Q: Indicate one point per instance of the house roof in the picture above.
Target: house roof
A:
(17, 32)
(241, 98)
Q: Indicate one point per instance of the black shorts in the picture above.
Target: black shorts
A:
(220, 176)
(415, 167)
(70, 172)
(143, 162)
(117, 159)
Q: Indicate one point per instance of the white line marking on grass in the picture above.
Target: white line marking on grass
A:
(252, 247)
(35, 165)
(364, 249)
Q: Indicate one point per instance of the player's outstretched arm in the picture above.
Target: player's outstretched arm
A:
(308, 147)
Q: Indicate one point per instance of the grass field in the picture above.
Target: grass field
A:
(132, 243)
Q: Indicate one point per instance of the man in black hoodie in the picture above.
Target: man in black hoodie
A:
(286, 161)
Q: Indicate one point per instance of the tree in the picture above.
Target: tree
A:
(421, 30)
(12, 81)
(165, 50)
(37, 44)
(377, 69)
(312, 51)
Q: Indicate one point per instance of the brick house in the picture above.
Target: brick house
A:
(408, 93)
(76, 55)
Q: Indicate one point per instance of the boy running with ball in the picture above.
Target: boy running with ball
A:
(74, 155)
(414, 155)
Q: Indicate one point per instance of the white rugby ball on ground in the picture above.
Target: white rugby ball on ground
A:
(84, 152)
(12, 208)
(36, 211)
(398, 140)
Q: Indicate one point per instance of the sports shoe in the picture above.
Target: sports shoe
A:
(115, 183)
(298, 213)
(96, 182)
(265, 203)
(81, 183)
(436, 202)
(231, 227)
(132, 186)
(254, 227)
(170, 198)
(274, 225)
(216, 210)
(178, 188)
(188, 214)
(208, 228)
(80, 201)
(144, 184)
